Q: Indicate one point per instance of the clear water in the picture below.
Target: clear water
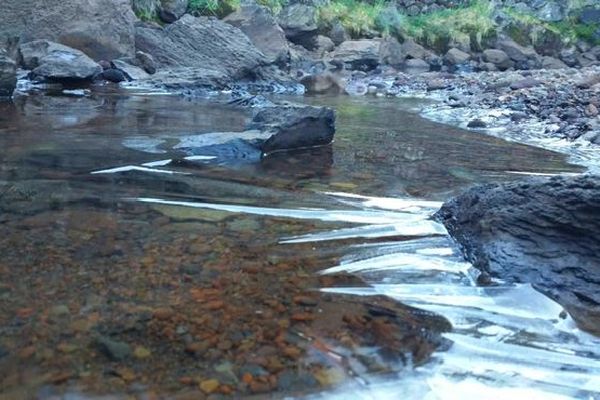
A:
(313, 274)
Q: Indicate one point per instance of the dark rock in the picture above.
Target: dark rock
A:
(362, 55)
(294, 126)
(590, 16)
(102, 29)
(112, 75)
(201, 42)
(540, 231)
(476, 123)
(456, 57)
(299, 22)
(569, 56)
(115, 350)
(259, 24)
(324, 83)
(8, 75)
(338, 33)
(51, 61)
(499, 58)
(171, 10)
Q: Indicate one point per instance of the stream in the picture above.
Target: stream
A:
(313, 274)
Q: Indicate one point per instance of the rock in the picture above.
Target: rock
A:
(587, 59)
(588, 81)
(338, 33)
(552, 11)
(102, 29)
(324, 83)
(294, 126)
(113, 75)
(540, 231)
(8, 75)
(525, 83)
(115, 350)
(553, 63)
(590, 16)
(259, 24)
(525, 57)
(569, 56)
(416, 64)
(456, 57)
(145, 61)
(591, 110)
(476, 123)
(206, 43)
(209, 385)
(499, 58)
(412, 49)
(171, 10)
(360, 55)
(323, 45)
(131, 72)
(299, 22)
(391, 52)
(51, 61)
(437, 84)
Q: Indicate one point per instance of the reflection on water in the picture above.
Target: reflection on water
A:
(130, 269)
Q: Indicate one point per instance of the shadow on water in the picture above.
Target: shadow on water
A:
(124, 274)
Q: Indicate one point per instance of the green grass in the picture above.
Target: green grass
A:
(358, 17)
(146, 10)
(218, 8)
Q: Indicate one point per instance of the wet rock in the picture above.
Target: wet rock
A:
(113, 75)
(102, 29)
(115, 350)
(8, 75)
(360, 55)
(259, 24)
(476, 123)
(416, 64)
(171, 10)
(325, 83)
(299, 22)
(145, 61)
(323, 45)
(543, 231)
(130, 71)
(55, 62)
(294, 126)
(499, 58)
(456, 57)
(202, 42)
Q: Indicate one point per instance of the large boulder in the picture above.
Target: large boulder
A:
(358, 54)
(294, 126)
(8, 75)
(258, 23)
(299, 22)
(51, 61)
(456, 56)
(102, 29)
(524, 57)
(543, 231)
(499, 58)
(201, 42)
(171, 10)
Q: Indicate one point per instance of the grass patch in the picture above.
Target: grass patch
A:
(217, 8)
(146, 10)
(468, 24)
(357, 17)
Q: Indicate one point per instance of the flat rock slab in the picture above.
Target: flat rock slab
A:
(543, 231)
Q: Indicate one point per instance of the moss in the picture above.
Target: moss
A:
(359, 18)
